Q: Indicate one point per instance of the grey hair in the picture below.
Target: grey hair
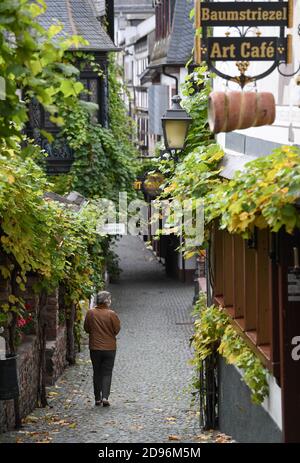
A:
(103, 297)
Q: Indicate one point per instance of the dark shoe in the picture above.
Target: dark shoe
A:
(105, 403)
(98, 403)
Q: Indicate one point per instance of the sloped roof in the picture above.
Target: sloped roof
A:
(134, 6)
(78, 18)
(100, 7)
(177, 48)
(182, 36)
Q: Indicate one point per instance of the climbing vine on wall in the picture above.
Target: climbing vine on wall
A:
(214, 332)
(105, 159)
(264, 195)
(32, 65)
(195, 91)
(39, 236)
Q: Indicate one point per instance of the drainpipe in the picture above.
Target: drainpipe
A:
(110, 18)
(171, 76)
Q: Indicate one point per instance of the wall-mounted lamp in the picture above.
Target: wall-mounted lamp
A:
(175, 124)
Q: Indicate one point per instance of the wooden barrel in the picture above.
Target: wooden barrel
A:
(228, 111)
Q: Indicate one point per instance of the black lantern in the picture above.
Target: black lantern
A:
(175, 124)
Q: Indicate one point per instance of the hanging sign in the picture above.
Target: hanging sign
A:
(244, 14)
(244, 49)
(250, 45)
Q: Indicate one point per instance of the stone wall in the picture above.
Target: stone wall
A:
(28, 384)
(52, 307)
(28, 355)
(56, 356)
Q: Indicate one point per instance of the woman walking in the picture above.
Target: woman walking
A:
(102, 324)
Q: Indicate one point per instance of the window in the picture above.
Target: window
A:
(92, 85)
(142, 124)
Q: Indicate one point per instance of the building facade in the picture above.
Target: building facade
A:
(252, 278)
(135, 26)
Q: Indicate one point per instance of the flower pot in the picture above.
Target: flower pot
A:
(228, 111)
(9, 386)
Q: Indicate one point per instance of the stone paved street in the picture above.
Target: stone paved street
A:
(150, 401)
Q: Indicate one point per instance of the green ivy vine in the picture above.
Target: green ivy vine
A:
(32, 64)
(105, 158)
(39, 236)
(214, 332)
(262, 195)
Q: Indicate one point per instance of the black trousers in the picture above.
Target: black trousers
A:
(103, 364)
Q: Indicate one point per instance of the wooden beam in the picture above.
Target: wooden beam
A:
(262, 284)
(274, 304)
(197, 54)
(238, 274)
(249, 288)
(228, 269)
(218, 262)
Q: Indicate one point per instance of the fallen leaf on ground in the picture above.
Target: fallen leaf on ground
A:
(223, 439)
(171, 418)
(72, 425)
(202, 437)
(52, 393)
(31, 419)
(173, 437)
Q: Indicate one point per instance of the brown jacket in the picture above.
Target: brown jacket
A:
(103, 325)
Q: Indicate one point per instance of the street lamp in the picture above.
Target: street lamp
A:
(175, 124)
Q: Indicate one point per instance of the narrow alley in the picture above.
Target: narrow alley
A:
(150, 398)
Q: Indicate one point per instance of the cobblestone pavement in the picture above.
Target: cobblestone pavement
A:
(149, 399)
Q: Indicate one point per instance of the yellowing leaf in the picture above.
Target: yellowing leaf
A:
(10, 179)
(54, 30)
(57, 120)
(72, 425)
